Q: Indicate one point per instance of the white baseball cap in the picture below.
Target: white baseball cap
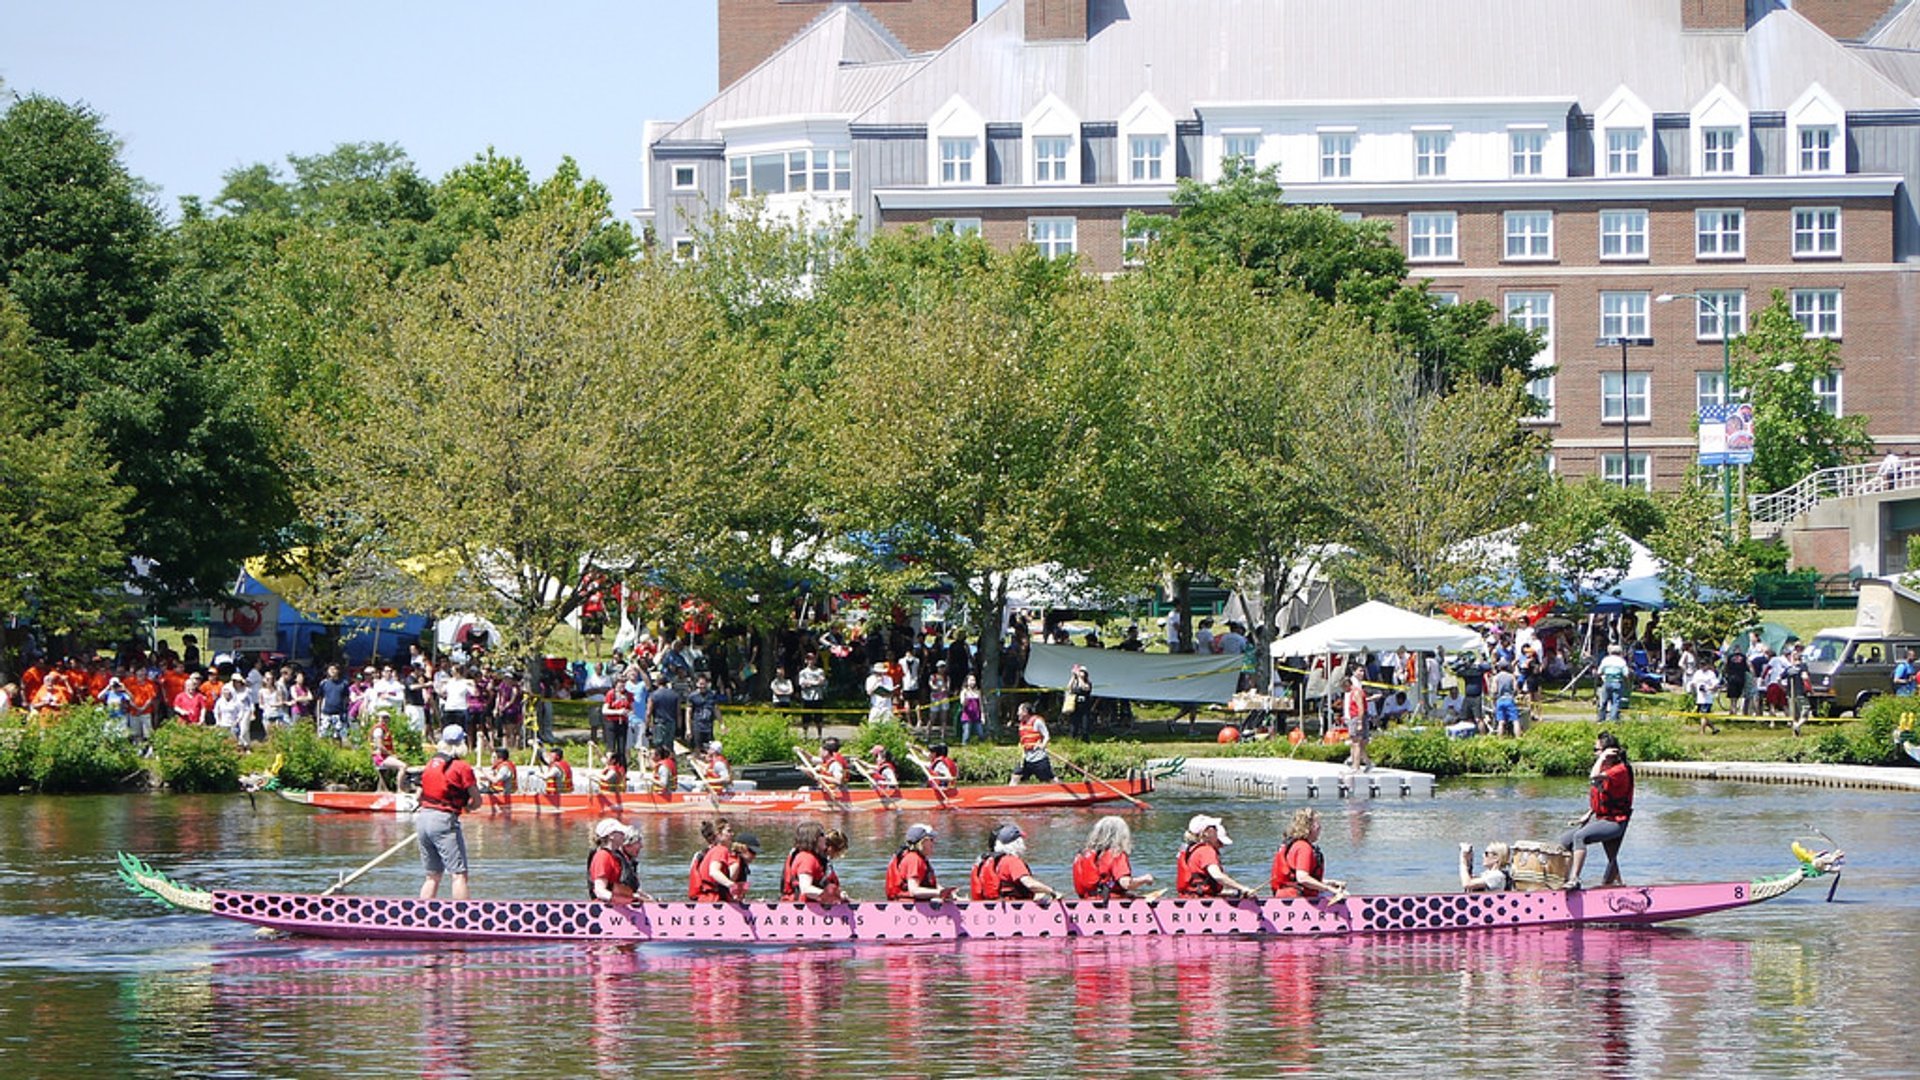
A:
(1202, 822)
(607, 827)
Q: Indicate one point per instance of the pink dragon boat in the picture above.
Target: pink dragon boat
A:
(1001, 797)
(754, 922)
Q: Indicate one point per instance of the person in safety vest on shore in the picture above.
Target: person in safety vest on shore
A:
(1003, 873)
(1197, 870)
(1299, 867)
(910, 874)
(942, 771)
(446, 790)
(804, 878)
(1104, 868)
(1034, 740)
(718, 873)
(613, 871)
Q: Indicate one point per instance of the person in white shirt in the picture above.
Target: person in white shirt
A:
(879, 696)
(1704, 683)
(1495, 879)
(387, 692)
(456, 693)
(1203, 637)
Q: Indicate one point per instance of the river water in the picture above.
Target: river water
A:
(92, 978)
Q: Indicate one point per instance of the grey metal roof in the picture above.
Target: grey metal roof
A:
(1899, 30)
(840, 64)
(1188, 51)
(1901, 66)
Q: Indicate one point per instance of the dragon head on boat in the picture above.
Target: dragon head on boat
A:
(145, 881)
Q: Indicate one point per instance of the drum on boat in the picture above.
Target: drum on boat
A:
(1539, 865)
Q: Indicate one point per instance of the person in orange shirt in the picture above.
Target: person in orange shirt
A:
(140, 715)
(55, 694)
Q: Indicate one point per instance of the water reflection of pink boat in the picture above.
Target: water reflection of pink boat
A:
(409, 919)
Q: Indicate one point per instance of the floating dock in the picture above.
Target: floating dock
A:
(1285, 778)
(1865, 777)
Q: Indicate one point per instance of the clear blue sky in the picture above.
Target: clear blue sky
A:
(198, 87)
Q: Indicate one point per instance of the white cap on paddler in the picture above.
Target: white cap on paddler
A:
(607, 827)
(1202, 822)
(453, 734)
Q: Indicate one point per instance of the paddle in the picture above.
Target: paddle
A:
(939, 789)
(376, 861)
(891, 802)
(812, 768)
(1082, 769)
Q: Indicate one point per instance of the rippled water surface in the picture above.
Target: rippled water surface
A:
(94, 979)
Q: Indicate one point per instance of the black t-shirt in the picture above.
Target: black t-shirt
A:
(663, 712)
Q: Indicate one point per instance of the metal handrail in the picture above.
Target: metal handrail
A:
(1841, 482)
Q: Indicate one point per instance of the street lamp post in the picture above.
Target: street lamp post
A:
(1717, 306)
(1626, 415)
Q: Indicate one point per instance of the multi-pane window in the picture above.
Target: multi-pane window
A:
(833, 170)
(1720, 315)
(1634, 470)
(1526, 153)
(1133, 246)
(1534, 311)
(1540, 388)
(1054, 236)
(1638, 401)
(1336, 155)
(1816, 232)
(1432, 236)
(956, 160)
(1430, 152)
(1444, 299)
(1623, 315)
(1826, 392)
(959, 226)
(1240, 149)
(1719, 234)
(1623, 234)
(1717, 146)
(797, 171)
(1623, 151)
(684, 178)
(1146, 158)
(1529, 234)
(1817, 311)
(1050, 158)
(1709, 390)
(1816, 149)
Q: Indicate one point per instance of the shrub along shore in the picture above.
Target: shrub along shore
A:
(86, 751)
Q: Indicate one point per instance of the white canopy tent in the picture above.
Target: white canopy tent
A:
(1373, 626)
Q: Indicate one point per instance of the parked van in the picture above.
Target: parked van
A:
(1848, 666)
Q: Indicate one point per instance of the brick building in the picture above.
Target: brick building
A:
(1571, 161)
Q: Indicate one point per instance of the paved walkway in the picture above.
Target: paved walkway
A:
(1884, 778)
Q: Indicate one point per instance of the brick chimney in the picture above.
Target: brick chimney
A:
(1846, 20)
(1057, 20)
(1713, 14)
(752, 30)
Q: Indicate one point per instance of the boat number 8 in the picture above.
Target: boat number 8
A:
(1739, 892)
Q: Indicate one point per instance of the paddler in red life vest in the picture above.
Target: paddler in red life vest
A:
(1034, 740)
(910, 873)
(557, 774)
(711, 876)
(612, 779)
(1003, 874)
(1197, 870)
(1104, 869)
(1299, 867)
(446, 789)
(832, 768)
(942, 772)
(501, 778)
(805, 877)
(886, 778)
(664, 777)
(613, 874)
(714, 768)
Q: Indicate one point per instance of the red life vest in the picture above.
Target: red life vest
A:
(937, 766)
(1611, 798)
(900, 870)
(666, 775)
(559, 778)
(437, 793)
(886, 777)
(1283, 881)
(718, 771)
(984, 882)
(828, 771)
(613, 781)
(700, 884)
(814, 867)
(1095, 876)
(1030, 733)
(1192, 880)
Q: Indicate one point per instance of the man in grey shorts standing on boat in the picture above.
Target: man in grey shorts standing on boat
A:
(446, 788)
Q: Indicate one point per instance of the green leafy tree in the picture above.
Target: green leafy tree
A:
(1777, 365)
(1709, 582)
(1575, 548)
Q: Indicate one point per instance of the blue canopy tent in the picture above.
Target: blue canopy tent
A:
(363, 637)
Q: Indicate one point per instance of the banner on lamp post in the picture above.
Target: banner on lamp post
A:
(1726, 434)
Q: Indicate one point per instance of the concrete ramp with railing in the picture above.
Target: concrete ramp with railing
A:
(1857, 520)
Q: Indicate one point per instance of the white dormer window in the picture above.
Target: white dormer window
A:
(1716, 150)
(1241, 148)
(1817, 130)
(957, 160)
(1146, 138)
(956, 136)
(1719, 126)
(1052, 134)
(1430, 153)
(1526, 153)
(1623, 138)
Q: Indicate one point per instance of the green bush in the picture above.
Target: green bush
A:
(1419, 750)
(985, 763)
(892, 736)
(1558, 748)
(1875, 736)
(1649, 740)
(190, 757)
(409, 745)
(1485, 755)
(310, 762)
(754, 738)
(85, 750)
(19, 743)
(1832, 747)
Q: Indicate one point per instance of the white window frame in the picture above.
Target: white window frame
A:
(1815, 152)
(1625, 314)
(959, 154)
(1336, 155)
(691, 173)
(1133, 246)
(1709, 390)
(685, 249)
(1624, 159)
(1719, 147)
(1620, 225)
(1818, 312)
(1541, 387)
(1147, 158)
(1816, 232)
(1054, 236)
(958, 226)
(1827, 392)
(1242, 147)
(832, 170)
(1610, 470)
(1639, 402)
(799, 171)
(1430, 149)
(1533, 310)
(1444, 297)
(1526, 152)
(1711, 237)
(1433, 236)
(1051, 156)
(1535, 241)
(1732, 305)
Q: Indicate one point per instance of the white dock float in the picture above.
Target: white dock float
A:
(1870, 777)
(1285, 778)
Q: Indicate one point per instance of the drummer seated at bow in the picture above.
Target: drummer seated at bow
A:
(1496, 878)
(1300, 867)
(1197, 870)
